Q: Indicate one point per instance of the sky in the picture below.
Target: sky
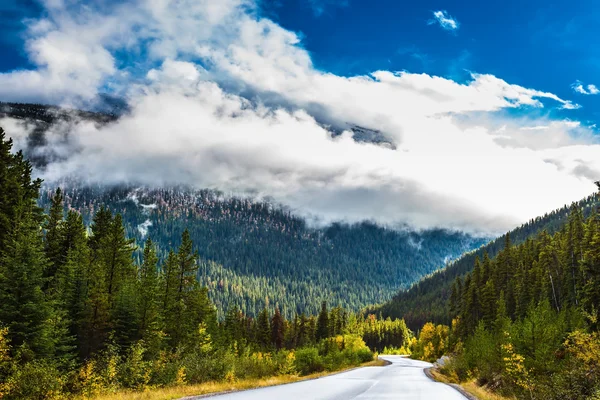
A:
(489, 111)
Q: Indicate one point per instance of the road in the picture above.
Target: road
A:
(402, 379)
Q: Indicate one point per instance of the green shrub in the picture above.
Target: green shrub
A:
(308, 361)
(201, 368)
(36, 380)
(336, 360)
(256, 365)
(364, 355)
(134, 372)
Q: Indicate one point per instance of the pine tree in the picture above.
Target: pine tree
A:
(148, 293)
(100, 227)
(455, 296)
(184, 300)
(116, 257)
(322, 331)
(277, 329)
(18, 192)
(54, 236)
(187, 266)
(70, 286)
(169, 282)
(591, 267)
(263, 330)
(23, 307)
(488, 304)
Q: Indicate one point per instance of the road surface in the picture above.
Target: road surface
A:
(402, 379)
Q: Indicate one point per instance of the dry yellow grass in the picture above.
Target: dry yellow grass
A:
(481, 393)
(177, 392)
(470, 387)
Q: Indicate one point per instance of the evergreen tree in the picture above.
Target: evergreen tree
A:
(115, 255)
(54, 236)
(277, 329)
(263, 330)
(148, 293)
(322, 331)
(23, 307)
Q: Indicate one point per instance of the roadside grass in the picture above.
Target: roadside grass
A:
(482, 393)
(177, 392)
(471, 387)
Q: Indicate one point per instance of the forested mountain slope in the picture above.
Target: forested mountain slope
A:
(255, 253)
(428, 299)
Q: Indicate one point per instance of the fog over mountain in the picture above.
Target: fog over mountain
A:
(219, 96)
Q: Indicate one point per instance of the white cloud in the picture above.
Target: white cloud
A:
(578, 87)
(445, 20)
(256, 118)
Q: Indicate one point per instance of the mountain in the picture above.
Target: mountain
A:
(255, 253)
(428, 299)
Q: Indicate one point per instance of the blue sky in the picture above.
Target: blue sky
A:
(536, 43)
(488, 111)
(541, 44)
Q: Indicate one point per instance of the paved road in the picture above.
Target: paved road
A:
(403, 379)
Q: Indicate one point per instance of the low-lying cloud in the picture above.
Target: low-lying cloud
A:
(222, 98)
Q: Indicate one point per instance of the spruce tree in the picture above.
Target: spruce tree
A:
(24, 309)
(263, 330)
(277, 329)
(148, 293)
(322, 331)
(54, 246)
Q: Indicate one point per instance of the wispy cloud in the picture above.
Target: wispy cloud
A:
(320, 6)
(580, 88)
(445, 20)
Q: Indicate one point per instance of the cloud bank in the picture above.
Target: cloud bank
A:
(223, 98)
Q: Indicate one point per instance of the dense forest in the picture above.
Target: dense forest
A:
(526, 323)
(84, 311)
(428, 300)
(254, 254)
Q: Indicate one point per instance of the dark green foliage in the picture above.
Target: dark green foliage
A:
(148, 289)
(277, 329)
(526, 342)
(23, 307)
(262, 330)
(429, 299)
(54, 246)
(253, 254)
(323, 323)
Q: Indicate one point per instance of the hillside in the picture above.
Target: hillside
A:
(428, 299)
(254, 253)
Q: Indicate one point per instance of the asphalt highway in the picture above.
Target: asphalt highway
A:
(402, 379)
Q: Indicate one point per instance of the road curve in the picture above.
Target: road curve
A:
(402, 379)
